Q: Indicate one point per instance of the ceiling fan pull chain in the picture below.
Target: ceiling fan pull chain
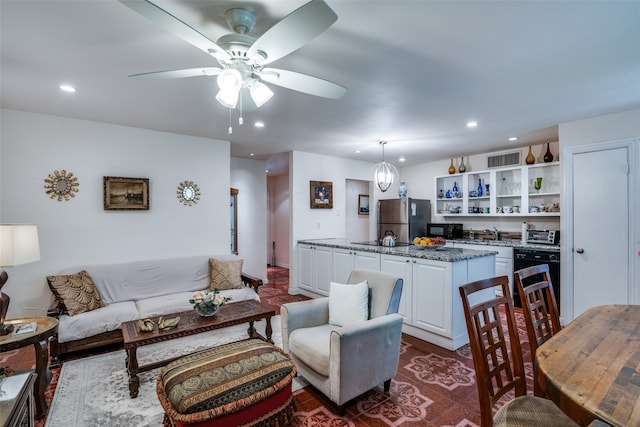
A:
(240, 119)
(230, 127)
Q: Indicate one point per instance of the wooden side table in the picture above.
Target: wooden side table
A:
(16, 400)
(47, 327)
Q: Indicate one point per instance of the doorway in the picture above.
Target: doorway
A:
(600, 221)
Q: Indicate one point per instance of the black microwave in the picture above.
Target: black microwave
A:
(447, 231)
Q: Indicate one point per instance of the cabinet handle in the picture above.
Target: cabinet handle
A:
(580, 250)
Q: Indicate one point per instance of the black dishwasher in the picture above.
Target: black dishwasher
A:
(527, 257)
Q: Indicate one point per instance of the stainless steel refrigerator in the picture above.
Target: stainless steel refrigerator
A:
(404, 218)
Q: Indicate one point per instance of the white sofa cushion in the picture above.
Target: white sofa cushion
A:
(96, 321)
(311, 346)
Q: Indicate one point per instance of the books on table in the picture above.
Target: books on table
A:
(24, 329)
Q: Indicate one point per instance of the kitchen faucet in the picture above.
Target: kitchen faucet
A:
(494, 232)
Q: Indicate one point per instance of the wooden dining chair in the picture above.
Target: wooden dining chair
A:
(541, 315)
(497, 358)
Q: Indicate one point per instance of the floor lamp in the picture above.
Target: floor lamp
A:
(18, 245)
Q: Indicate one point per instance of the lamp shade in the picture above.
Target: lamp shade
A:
(384, 175)
(18, 244)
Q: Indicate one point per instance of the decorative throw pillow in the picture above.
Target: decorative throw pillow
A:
(225, 274)
(77, 292)
(348, 304)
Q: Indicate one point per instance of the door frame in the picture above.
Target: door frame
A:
(566, 271)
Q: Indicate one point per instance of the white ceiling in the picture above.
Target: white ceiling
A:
(416, 72)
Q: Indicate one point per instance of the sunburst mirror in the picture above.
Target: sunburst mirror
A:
(188, 193)
(61, 184)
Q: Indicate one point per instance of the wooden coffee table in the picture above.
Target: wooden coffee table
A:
(190, 323)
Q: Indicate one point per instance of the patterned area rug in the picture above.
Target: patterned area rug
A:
(94, 391)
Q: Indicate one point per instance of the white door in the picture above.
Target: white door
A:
(600, 228)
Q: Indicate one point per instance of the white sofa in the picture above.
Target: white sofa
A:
(137, 290)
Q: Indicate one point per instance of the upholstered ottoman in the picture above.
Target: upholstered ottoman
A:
(245, 383)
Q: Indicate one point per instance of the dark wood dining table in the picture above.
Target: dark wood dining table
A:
(591, 368)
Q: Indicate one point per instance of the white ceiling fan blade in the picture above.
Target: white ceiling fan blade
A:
(302, 83)
(293, 31)
(175, 26)
(179, 74)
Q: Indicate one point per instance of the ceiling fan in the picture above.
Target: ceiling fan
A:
(241, 73)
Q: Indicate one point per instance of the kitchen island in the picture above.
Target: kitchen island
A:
(430, 302)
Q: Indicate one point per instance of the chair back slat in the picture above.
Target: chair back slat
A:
(497, 355)
(539, 304)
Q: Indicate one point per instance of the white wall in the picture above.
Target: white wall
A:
(613, 127)
(307, 223)
(357, 226)
(280, 217)
(80, 231)
(600, 129)
(249, 177)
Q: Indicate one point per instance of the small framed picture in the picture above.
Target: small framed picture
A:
(126, 193)
(321, 195)
(363, 204)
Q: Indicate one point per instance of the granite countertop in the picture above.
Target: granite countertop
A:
(506, 243)
(440, 253)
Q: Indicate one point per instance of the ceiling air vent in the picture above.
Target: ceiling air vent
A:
(508, 159)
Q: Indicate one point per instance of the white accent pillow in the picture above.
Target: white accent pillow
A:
(348, 304)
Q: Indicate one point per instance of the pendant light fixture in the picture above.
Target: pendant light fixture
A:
(384, 174)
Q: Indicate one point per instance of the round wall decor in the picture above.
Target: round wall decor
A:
(61, 184)
(188, 193)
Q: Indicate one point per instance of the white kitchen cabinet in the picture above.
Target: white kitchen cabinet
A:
(436, 305)
(315, 268)
(504, 259)
(511, 192)
(345, 260)
(432, 296)
(430, 301)
(401, 267)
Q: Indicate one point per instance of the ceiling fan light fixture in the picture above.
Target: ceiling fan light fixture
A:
(260, 93)
(228, 97)
(230, 79)
(384, 174)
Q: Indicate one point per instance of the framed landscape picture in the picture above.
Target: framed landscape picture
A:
(363, 204)
(321, 195)
(126, 193)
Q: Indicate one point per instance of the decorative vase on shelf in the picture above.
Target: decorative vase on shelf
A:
(480, 188)
(531, 159)
(455, 189)
(548, 156)
(452, 169)
(462, 168)
(402, 190)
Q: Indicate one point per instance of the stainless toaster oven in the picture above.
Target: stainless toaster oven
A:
(544, 237)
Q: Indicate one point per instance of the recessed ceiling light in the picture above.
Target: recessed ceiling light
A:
(251, 154)
(267, 171)
(68, 88)
(259, 124)
(513, 138)
(401, 159)
(357, 151)
(472, 124)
